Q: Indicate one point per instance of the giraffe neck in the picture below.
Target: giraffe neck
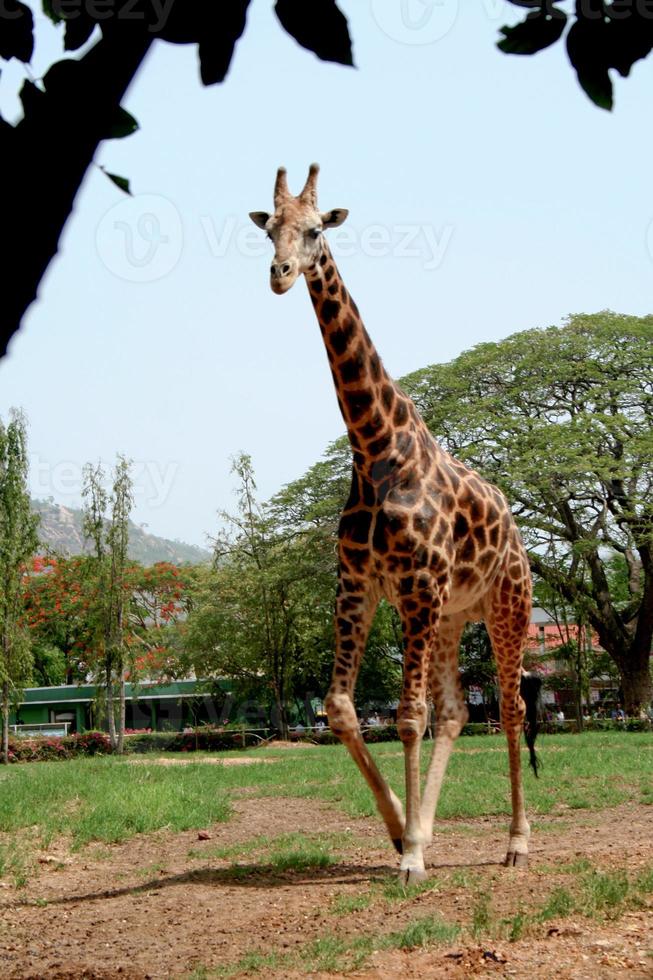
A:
(375, 410)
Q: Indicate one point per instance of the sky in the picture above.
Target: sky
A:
(487, 195)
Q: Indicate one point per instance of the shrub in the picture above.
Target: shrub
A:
(91, 743)
(203, 739)
(384, 733)
(58, 747)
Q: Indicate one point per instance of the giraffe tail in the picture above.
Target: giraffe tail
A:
(530, 691)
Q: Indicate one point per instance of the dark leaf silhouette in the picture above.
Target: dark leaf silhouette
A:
(30, 96)
(216, 48)
(319, 26)
(123, 125)
(214, 26)
(538, 31)
(586, 47)
(78, 30)
(16, 32)
(120, 182)
(602, 36)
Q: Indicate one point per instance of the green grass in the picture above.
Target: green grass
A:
(463, 878)
(604, 894)
(16, 862)
(393, 890)
(276, 855)
(110, 800)
(516, 925)
(644, 882)
(481, 915)
(588, 771)
(597, 894)
(333, 954)
(107, 799)
(301, 859)
(559, 904)
(425, 931)
(592, 893)
(348, 904)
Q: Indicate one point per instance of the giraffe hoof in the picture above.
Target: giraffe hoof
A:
(410, 877)
(398, 845)
(516, 859)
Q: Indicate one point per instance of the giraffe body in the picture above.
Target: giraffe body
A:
(420, 529)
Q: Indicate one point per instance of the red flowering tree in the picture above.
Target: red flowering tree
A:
(58, 603)
(61, 602)
(160, 597)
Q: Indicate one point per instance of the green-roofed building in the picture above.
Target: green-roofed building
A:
(160, 707)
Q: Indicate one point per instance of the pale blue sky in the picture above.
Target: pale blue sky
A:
(486, 194)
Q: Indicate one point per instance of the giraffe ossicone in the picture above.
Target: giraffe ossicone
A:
(419, 529)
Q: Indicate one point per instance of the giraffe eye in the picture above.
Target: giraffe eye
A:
(315, 233)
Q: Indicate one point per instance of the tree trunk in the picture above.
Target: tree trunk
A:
(579, 679)
(631, 653)
(121, 715)
(279, 702)
(635, 674)
(282, 716)
(110, 715)
(5, 723)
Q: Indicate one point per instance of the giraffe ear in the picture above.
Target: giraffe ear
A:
(260, 218)
(331, 219)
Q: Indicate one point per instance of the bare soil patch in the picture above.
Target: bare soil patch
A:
(148, 909)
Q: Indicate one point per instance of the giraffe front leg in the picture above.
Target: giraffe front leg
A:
(354, 613)
(418, 627)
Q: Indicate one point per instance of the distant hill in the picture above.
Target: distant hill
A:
(61, 530)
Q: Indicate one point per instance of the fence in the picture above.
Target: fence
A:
(50, 728)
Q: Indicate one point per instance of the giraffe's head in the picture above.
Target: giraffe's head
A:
(295, 229)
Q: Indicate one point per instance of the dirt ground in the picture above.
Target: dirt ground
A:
(148, 909)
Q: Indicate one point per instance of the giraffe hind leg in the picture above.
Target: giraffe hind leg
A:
(507, 623)
(450, 710)
(421, 623)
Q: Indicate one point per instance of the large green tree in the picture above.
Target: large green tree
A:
(562, 420)
(106, 525)
(308, 510)
(18, 542)
(260, 616)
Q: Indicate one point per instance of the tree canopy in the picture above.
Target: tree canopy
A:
(18, 541)
(77, 103)
(598, 37)
(562, 420)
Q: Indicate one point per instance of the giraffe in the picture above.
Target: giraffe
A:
(420, 529)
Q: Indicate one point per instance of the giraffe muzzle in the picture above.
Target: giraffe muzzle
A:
(282, 276)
